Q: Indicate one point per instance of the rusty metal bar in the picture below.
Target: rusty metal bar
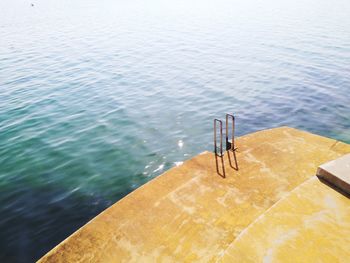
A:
(215, 137)
(230, 145)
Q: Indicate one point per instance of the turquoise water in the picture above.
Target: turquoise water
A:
(99, 97)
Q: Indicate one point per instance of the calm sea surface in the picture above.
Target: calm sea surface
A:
(99, 97)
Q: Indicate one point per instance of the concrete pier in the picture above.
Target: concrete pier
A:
(266, 206)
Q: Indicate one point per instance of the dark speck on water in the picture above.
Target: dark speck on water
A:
(99, 97)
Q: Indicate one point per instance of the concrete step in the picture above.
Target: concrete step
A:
(337, 173)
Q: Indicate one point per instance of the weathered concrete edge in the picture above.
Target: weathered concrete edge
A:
(333, 180)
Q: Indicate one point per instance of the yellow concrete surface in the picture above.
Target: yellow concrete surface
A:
(312, 224)
(190, 213)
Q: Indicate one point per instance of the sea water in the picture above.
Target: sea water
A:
(99, 97)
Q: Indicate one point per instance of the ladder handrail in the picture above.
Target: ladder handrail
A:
(215, 144)
(230, 145)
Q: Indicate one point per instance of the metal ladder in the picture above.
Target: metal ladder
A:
(230, 143)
